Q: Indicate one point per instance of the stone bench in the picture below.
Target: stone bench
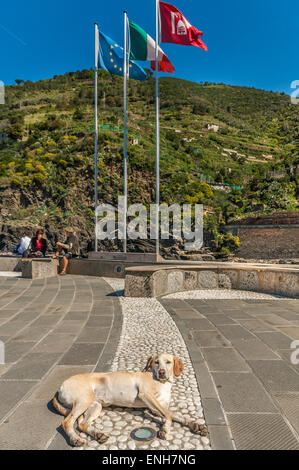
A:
(155, 281)
(39, 268)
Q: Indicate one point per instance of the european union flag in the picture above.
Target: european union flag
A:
(111, 58)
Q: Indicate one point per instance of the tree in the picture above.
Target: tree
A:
(18, 81)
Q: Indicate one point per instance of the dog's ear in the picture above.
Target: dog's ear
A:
(148, 364)
(178, 366)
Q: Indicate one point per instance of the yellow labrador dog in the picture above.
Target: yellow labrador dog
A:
(82, 397)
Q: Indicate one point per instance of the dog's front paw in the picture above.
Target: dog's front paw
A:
(197, 428)
(162, 434)
(101, 438)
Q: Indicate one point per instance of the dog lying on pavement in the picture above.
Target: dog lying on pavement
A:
(82, 397)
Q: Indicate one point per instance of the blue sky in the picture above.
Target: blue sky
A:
(251, 43)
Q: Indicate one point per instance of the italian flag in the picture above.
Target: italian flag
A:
(143, 47)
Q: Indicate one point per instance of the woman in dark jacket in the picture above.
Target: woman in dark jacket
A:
(38, 244)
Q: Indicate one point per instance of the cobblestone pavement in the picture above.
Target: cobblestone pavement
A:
(241, 354)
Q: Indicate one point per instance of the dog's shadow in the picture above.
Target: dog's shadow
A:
(117, 293)
(59, 428)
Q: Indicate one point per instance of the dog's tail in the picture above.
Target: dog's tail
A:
(59, 407)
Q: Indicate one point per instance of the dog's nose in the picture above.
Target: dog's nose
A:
(162, 372)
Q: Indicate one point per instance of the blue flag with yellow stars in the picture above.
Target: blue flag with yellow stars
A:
(111, 59)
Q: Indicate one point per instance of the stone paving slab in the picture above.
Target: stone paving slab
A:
(242, 392)
(11, 392)
(253, 349)
(206, 339)
(224, 359)
(103, 321)
(30, 427)
(235, 332)
(200, 324)
(262, 432)
(273, 319)
(291, 331)
(82, 353)
(93, 334)
(15, 349)
(289, 403)
(221, 439)
(48, 387)
(31, 333)
(276, 340)
(10, 328)
(276, 375)
(55, 342)
(285, 354)
(32, 366)
(220, 319)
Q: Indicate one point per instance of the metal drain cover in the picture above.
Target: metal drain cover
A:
(143, 434)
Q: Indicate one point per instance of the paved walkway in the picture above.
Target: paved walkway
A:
(240, 350)
(52, 329)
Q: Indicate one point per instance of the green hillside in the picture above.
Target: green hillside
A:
(46, 156)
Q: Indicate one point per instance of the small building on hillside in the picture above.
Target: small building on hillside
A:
(213, 127)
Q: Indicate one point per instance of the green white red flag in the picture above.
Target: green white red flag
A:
(142, 47)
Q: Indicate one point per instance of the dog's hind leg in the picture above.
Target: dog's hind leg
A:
(85, 422)
(68, 423)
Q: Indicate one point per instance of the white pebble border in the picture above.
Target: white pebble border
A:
(148, 329)
(215, 294)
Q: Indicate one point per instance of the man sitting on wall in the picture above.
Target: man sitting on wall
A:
(69, 249)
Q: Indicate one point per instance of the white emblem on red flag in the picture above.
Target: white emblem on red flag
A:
(177, 29)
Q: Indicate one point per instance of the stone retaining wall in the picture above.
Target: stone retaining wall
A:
(157, 281)
(266, 242)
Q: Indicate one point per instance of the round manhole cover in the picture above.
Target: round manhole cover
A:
(143, 434)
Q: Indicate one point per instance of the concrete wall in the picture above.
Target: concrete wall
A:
(154, 282)
(39, 268)
(10, 264)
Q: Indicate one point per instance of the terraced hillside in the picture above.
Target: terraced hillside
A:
(233, 149)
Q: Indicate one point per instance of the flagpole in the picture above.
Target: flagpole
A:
(157, 131)
(125, 136)
(96, 136)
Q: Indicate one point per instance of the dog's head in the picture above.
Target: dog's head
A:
(164, 367)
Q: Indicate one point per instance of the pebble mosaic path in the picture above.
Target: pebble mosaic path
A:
(147, 330)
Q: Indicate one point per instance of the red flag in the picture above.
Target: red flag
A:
(164, 65)
(176, 28)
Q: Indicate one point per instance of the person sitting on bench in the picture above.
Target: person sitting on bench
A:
(38, 245)
(70, 249)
